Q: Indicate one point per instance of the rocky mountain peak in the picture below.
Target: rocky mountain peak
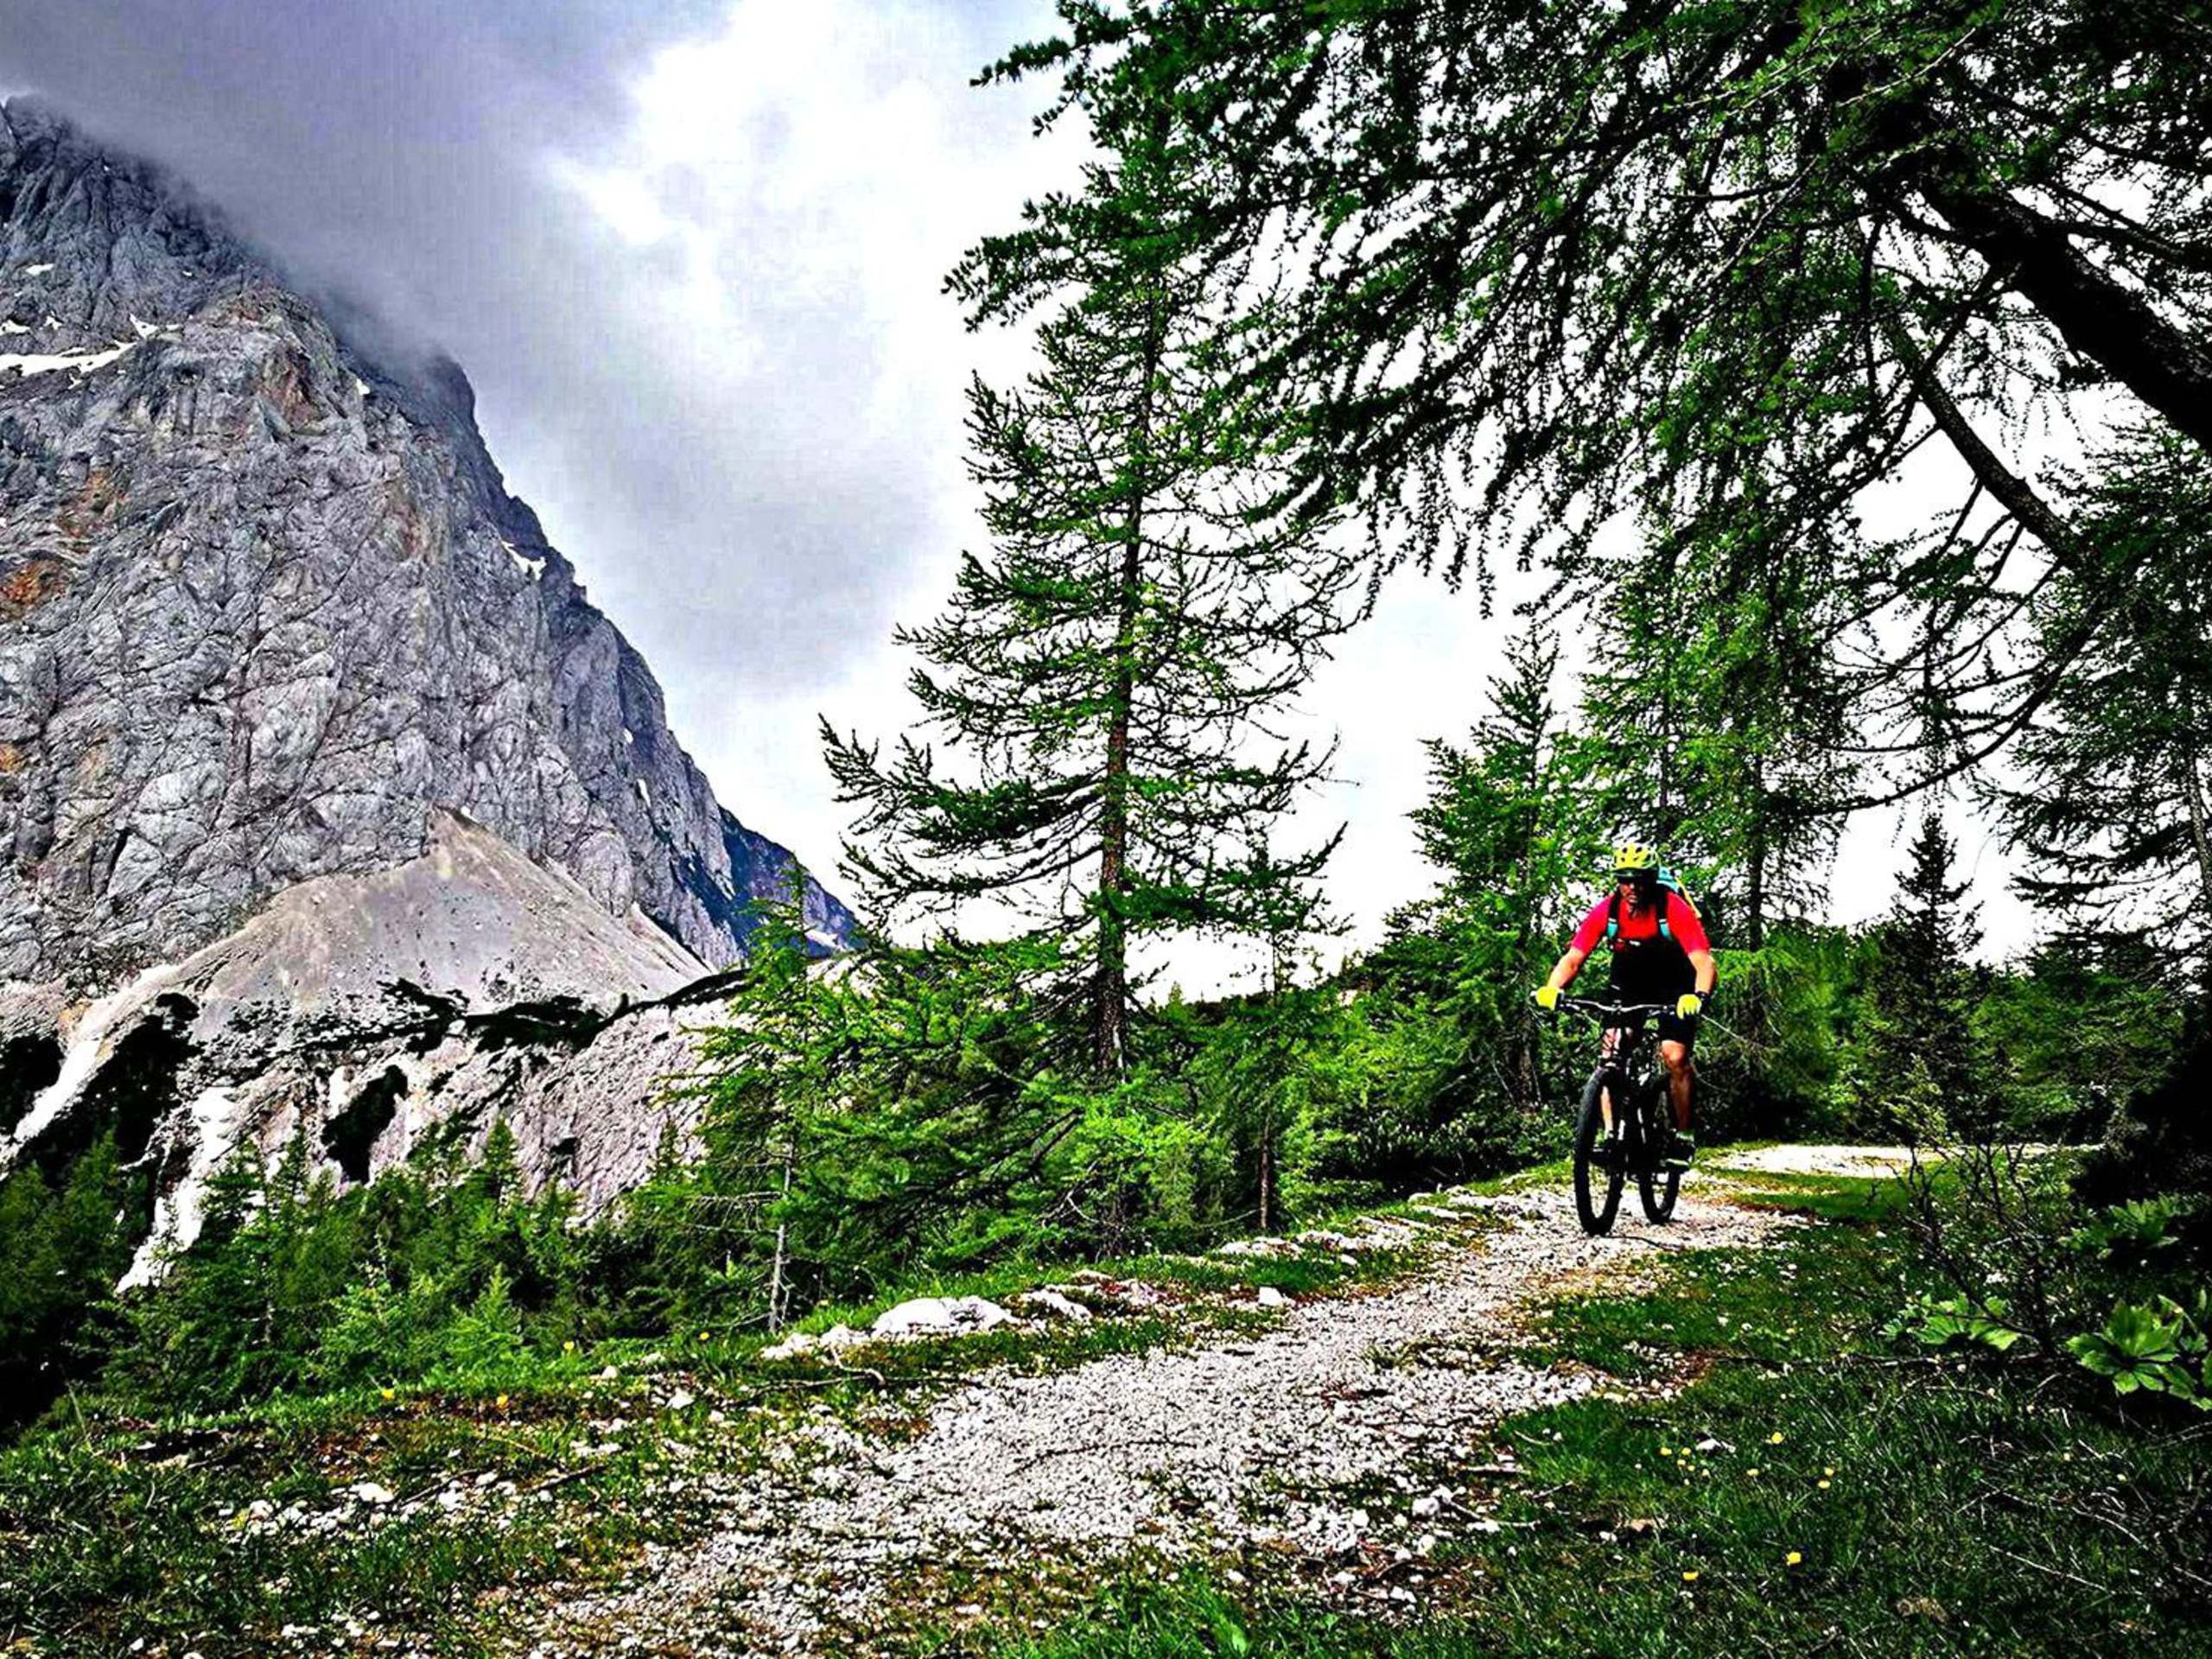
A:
(315, 761)
(265, 603)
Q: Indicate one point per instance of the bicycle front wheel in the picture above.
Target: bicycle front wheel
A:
(1655, 1185)
(1597, 1157)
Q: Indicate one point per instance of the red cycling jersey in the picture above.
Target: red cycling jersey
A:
(1682, 921)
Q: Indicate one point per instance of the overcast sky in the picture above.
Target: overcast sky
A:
(691, 256)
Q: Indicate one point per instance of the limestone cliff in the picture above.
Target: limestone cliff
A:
(265, 604)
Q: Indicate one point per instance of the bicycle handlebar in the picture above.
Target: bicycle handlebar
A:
(1606, 1011)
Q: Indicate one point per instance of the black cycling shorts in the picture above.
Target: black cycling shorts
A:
(1671, 1027)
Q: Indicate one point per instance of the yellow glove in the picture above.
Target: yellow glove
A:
(1688, 1005)
(1547, 997)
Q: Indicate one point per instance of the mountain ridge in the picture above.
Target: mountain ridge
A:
(265, 601)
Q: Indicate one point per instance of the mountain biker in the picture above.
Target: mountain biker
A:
(1660, 955)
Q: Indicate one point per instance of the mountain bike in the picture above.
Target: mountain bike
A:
(1627, 1124)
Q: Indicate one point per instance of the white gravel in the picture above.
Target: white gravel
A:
(1823, 1160)
(1235, 1442)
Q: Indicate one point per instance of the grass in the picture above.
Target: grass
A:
(113, 1538)
(1972, 1508)
(117, 1528)
(1852, 1500)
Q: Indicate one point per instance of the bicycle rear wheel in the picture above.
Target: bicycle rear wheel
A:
(1656, 1186)
(1597, 1157)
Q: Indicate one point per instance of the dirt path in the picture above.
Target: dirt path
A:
(1230, 1443)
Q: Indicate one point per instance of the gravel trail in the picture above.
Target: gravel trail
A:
(1232, 1442)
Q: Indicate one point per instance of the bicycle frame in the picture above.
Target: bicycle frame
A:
(1625, 1123)
(1629, 1047)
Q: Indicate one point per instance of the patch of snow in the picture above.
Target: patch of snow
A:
(800, 1343)
(178, 1215)
(9, 326)
(363, 389)
(644, 794)
(87, 1048)
(529, 567)
(46, 363)
(1053, 1302)
(1821, 1160)
(628, 737)
(143, 330)
(824, 937)
(38, 270)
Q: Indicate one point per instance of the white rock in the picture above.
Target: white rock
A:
(1268, 1296)
(940, 1316)
(680, 1399)
(1061, 1306)
(799, 1343)
(369, 1491)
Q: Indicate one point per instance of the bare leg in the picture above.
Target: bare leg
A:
(1681, 1078)
(1609, 1042)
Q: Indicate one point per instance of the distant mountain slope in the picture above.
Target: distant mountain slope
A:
(266, 606)
(376, 1015)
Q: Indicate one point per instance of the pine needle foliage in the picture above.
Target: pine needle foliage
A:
(1552, 270)
(1099, 759)
(2112, 815)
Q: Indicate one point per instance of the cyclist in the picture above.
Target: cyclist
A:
(1660, 955)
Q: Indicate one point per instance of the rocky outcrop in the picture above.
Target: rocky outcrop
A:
(265, 605)
(329, 806)
(383, 1017)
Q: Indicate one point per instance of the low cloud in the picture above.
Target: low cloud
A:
(691, 260)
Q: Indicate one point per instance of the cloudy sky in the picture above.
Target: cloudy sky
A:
(691, 256)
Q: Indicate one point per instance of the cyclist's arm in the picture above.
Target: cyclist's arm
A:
(1569, 966)
(1707, 973)
(1689, 929)
(1578, 948)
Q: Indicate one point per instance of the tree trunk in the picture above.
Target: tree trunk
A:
(2199, 834)
(1111, 1028)
(2098, 317)
(777, 1288)
(1755, 899)
(1268, 1171)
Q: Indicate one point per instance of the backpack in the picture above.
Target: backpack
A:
(1668, 883)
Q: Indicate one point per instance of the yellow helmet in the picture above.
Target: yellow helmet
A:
(1634, 858)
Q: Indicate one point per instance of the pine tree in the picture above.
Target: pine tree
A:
(1109, 672)
(1506, 822)
(772, 1070)
(1717, 722)
(1923, 1063)
(2113, 813)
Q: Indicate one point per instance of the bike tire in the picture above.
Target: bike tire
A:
(1657, 1187)
(1596, 1189)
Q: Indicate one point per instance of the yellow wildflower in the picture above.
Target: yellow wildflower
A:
(1689, 1575)
(1793, 1558)
(1775, 1439)
(501, 1402)
(1822, 1484)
